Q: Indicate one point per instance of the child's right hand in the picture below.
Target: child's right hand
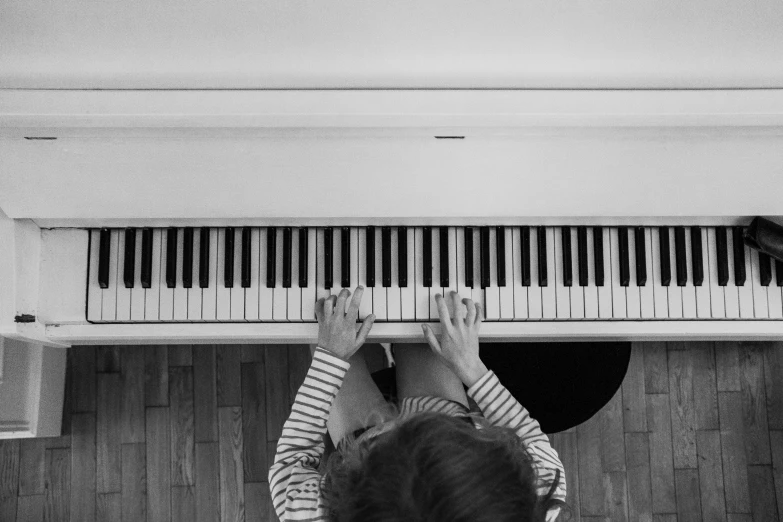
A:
(458, 347)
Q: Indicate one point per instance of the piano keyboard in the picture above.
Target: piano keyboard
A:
(517, 273)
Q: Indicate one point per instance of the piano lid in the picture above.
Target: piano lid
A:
(201, 44)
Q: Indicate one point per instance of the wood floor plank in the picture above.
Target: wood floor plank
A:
(732, 439)
(727, 365)
(618, 496)
(277, 399)
(299, 359)
(109, 508)
(83, 468)
(229, 391)
(687, 485)
(232, 491)
(776, 441)
(740, 517)
(661, 453)
(207, 482)
(109, 451)
(56, 486)
(773, 372)
(256, 467)
(713, 503)
(9, 478)
(180, 355)
(30, 508)
(762, 493)
(612, 437)
(83, 364)
(665, 517)
(32, 463)
(754, 404)
(205, 394)
(158, 448)
(107, 359)
(682, 405)
(183, 504)
(634, 411)
(591, 475)
(253, 353)
(132, 410)
(705, 393)
(156, 375)
(256, 500)
(637, 453)
(567, 450)
(134, 480)
(182, 425)
(656, 369)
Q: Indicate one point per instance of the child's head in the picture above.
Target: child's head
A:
(434, 467)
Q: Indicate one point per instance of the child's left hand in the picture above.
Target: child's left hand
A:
(337, 331)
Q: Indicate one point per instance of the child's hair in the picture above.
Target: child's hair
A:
(435, 467)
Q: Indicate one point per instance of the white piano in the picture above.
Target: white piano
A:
(197, 173)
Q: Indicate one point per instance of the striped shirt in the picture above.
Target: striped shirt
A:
(294, 480)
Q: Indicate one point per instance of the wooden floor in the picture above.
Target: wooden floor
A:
(188, 433)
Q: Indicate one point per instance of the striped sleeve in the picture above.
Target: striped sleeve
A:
(502, 409)
(294, 480)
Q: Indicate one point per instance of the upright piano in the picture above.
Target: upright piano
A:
(203, 173)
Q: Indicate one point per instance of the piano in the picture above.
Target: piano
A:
(585, 172)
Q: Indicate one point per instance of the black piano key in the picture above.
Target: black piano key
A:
(245, 257)
(146, 258)
(625, 260)
(680, 256)
(484, 256)
(345, 257)
(666, 266)
(468, 231)
(402, 256)
(581, 244)
(427, 251)
(386, 256)
(271, 257)
(171, 258)
(721, 244)
(187, 258)
(303, 283)
(641, 256)
(103, 258)
(129, 267)
(287, 253)
(500, 244)
(542, 275)
(444, 256)
(739, 257)
(598, 254)
(765, 266)
(524, 235)
(568, 270)
(370, 256)
(328, 246)
(203, 261)
(779, 272)
(228, 267)
(697, 258)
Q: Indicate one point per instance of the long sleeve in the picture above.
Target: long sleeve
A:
(294, 480)
(502, 409)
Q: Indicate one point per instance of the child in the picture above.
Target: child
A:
(432, 460)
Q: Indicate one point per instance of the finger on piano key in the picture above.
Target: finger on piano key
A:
(294, 293)
(688, 291)
(223, 305)
(731, 290)
(562, 294)
(507, 291)
(492, 291)
(194, 291)
(519, 291)
(717, 298)
(746, 289)
(703, 294)
(345, 259)
(209, 293)
(535, 301)
(167, 277)
(279, 293)
(365, 307)
(646, 291)
(253, 257)
(309, 292)
(590, 289)
(393, 294)
(321, 289)
(618, 290)
(152, 295)
(123, 291)
(379, 292)
(408, 292)
(576, 290)
(603, 245)
(434, 268)
(760, 303)
(775, 295)
(633, 300)
(100, 252)
(477, 293)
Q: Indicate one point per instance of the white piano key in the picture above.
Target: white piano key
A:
(534, 292)
(703, 304)
(223, 306)
(515, 271)
(760, 304)
(123, 293)
(180, 292)
(689, 290)
(294, 294)
(195, 292)
(675, 291)
(237, 292)
(646, 292)
(354, 247)
(731, 290)
(279, 294)
(137, 292)
(717, 298)
(152, 295)
(337, 263)
(379, 292)
(660, 292)
(94, 290)
(460, 274)
(452, 269)
(166, 308)
(562, 292)
(492, 292)
(321, 292)
(209, 294)
(251, 293)
(507, 292)
(365, 307)
(605, 292)
(393, 295)
(477, 293)
(577, 292)
(619, 310)
(775, 296)
(309, 292)
(408, 293)
(435, 288)
(633, 305)
(591, 290)
(746, 290)
(548, 293)
(422, 293)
